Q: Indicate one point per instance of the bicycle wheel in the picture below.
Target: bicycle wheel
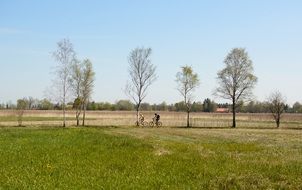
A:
(151, 123)
(145, 124)
(159, 124)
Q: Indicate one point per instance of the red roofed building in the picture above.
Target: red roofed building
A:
(222, 110)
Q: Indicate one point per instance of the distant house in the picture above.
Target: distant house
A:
(222, 110)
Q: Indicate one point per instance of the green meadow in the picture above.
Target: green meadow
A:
(149, 158)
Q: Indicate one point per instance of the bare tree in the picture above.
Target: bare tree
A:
(187, 81)
(82, 84)
(65, 56)
(76, 82)
(276, 105)
(142, 75)
(21, 106)
(87, 85)
(30, 102)
(236, 80)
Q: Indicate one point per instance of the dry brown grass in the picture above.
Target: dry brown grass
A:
(279, 137)
(176, 119)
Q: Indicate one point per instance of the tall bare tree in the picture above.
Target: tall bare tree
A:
(187, 82)
(65, 56)
(142, 75)
(236, 80)
(276, 105)
(87, 85)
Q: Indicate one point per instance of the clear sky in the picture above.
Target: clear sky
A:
(180, 32)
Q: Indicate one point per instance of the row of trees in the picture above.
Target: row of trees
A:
(207, 105)
(74, 79)
(126, 105)
(235, 82)
(32, 103)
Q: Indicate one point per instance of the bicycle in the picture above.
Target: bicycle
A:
(154, 123)
(141, 123)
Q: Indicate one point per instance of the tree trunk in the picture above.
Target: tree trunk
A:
(84, 114)
(137, 110)
(188, 119)
(78, 117)
(64, 117)
(64, 100)
(278, 122)
(234, 114)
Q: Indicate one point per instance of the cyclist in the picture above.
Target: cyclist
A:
(157, 118)
(141, 117)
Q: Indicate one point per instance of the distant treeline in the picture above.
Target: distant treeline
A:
(207, 105)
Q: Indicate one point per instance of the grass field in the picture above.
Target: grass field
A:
(149, 158)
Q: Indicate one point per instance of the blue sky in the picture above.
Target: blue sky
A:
(196, 33)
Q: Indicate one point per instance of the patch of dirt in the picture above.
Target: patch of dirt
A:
(162, 152)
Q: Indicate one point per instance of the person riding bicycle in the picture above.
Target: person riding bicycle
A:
(157, 118)
(141, 117)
